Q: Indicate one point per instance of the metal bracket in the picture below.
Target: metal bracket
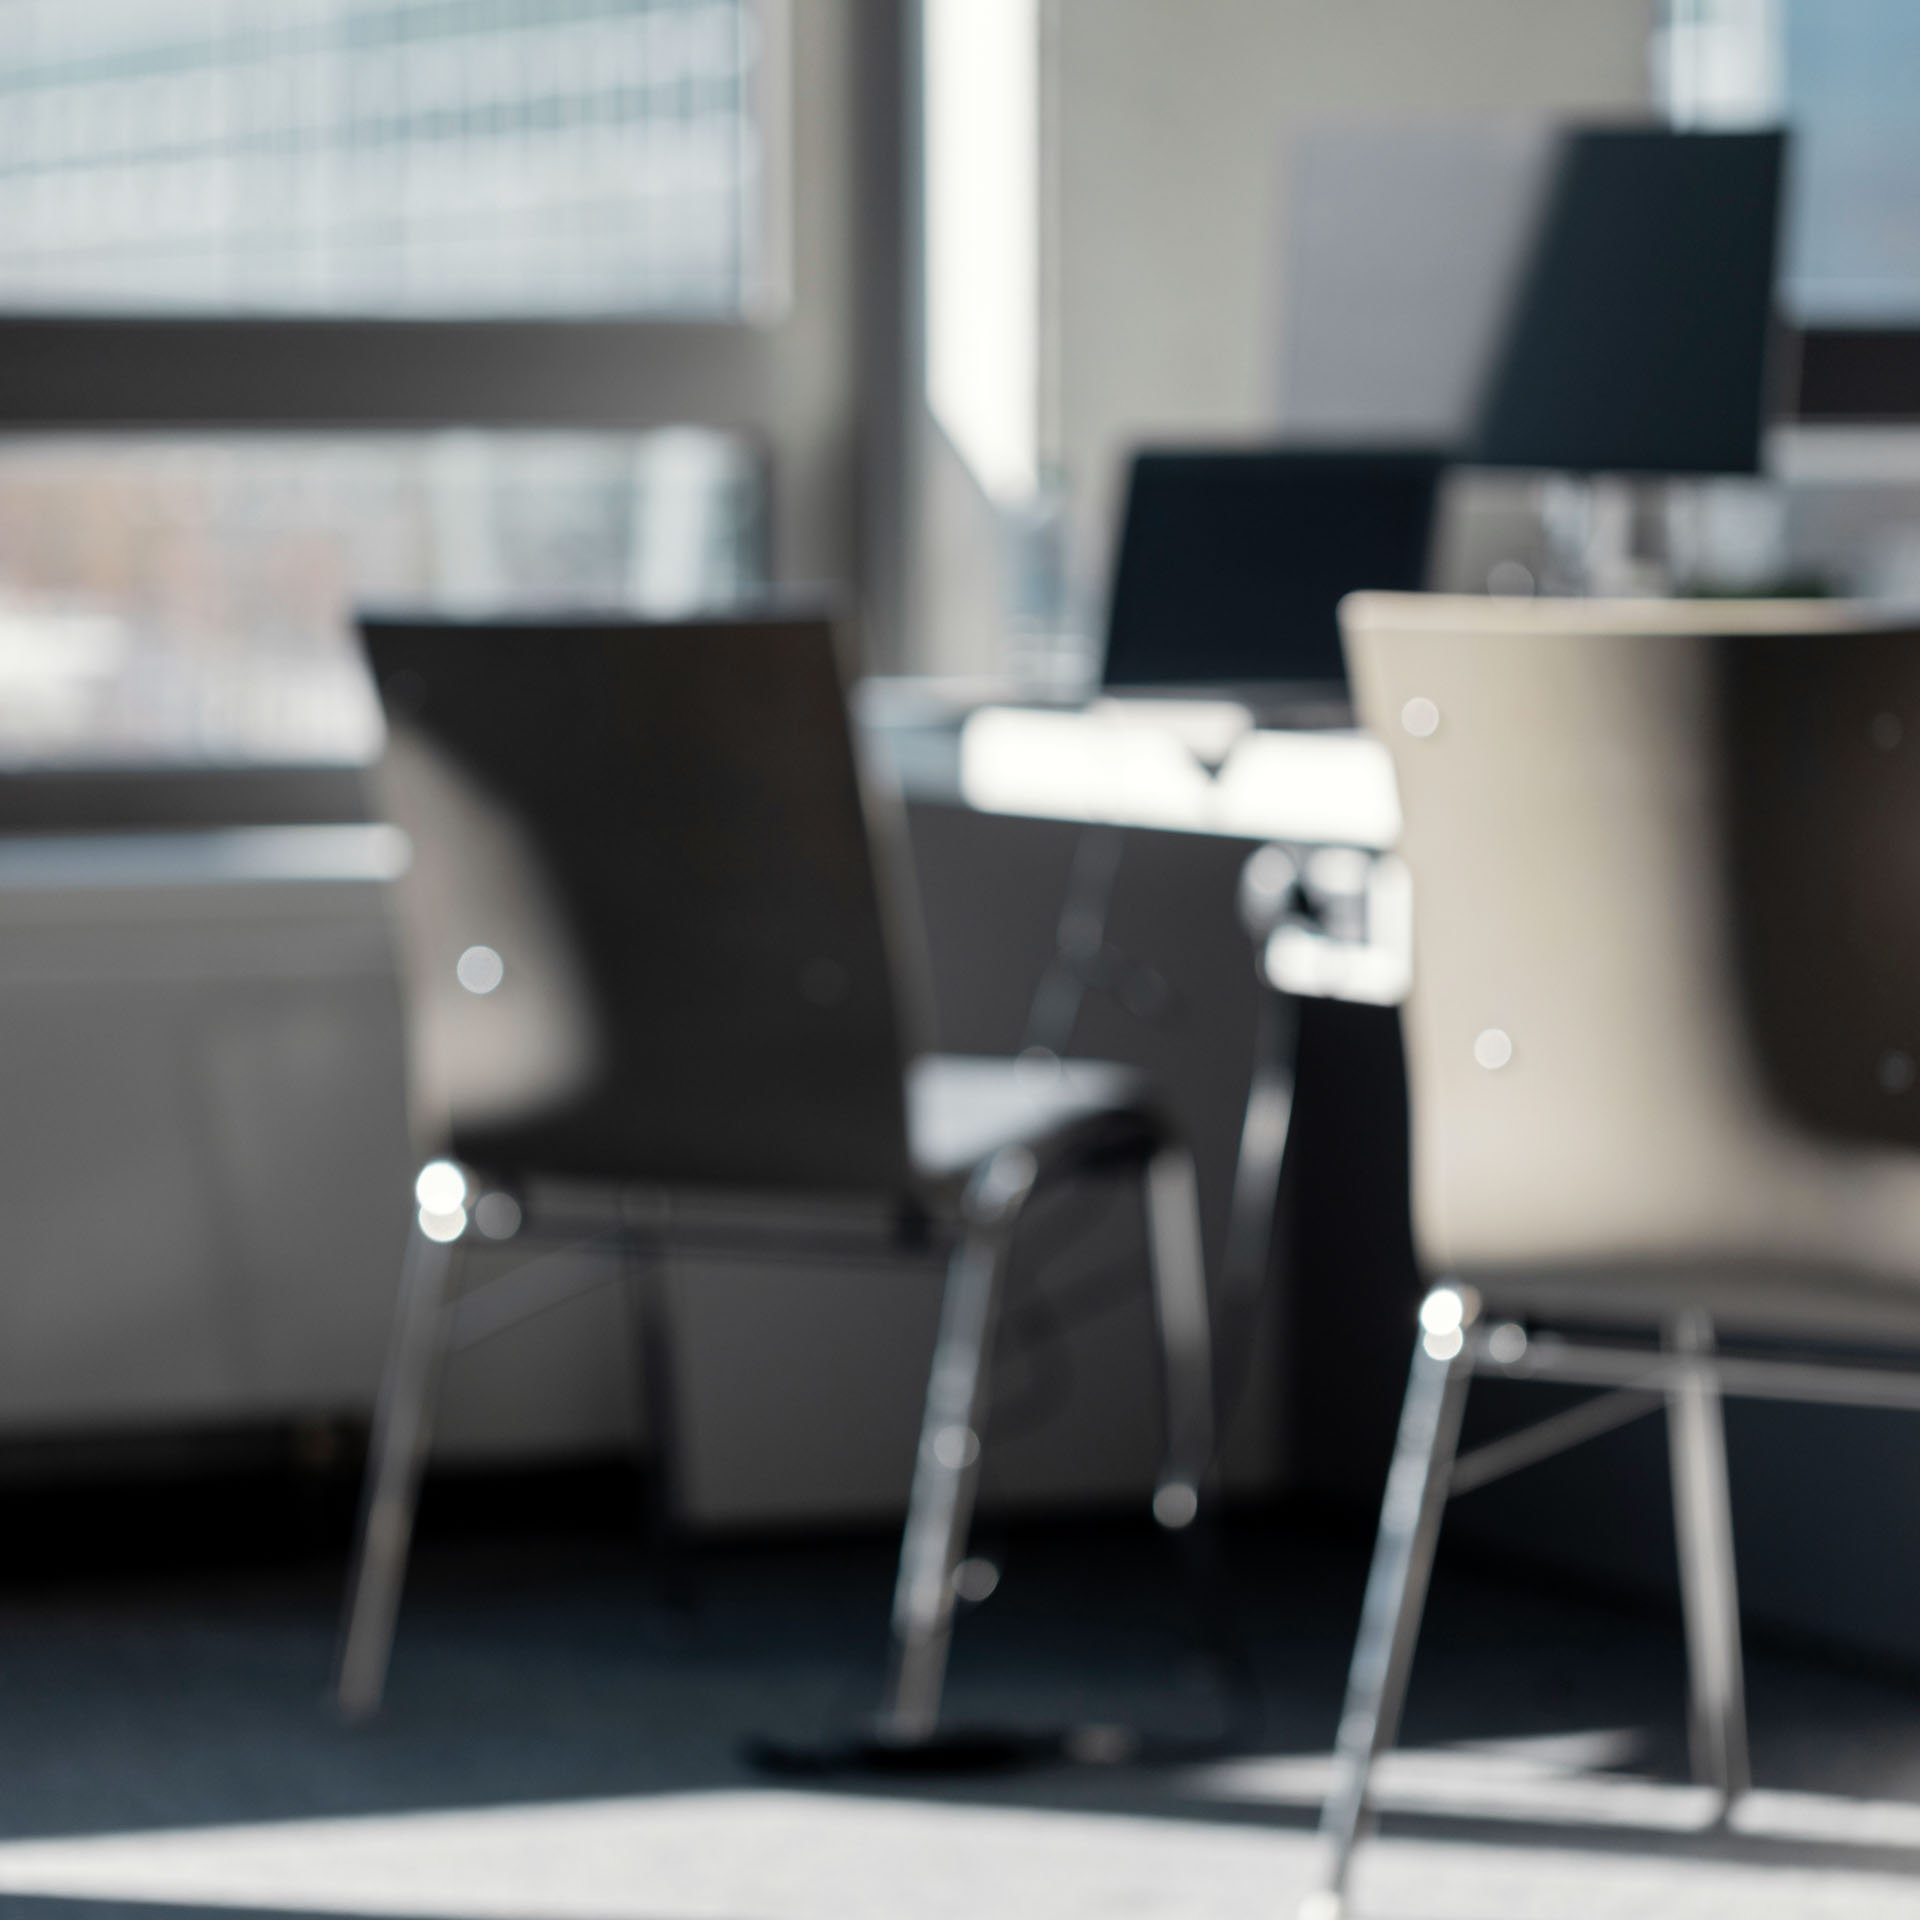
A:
(1331, 923)
(1545, 1438)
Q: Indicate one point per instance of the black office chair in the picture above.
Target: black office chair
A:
(652, 975)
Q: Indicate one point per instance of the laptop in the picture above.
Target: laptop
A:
(1233, 563)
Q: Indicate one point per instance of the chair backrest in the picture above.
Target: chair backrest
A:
(1594, 1078)
(645, 930)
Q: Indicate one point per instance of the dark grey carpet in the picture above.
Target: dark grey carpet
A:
(164, 1655)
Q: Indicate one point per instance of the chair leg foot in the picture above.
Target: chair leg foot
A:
(1410, 1513)
(1709, 1592)
(396, 1455)
(1178, 1266)
(947, 1466)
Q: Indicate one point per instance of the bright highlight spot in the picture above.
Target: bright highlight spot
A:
(443, 1227)
(956, 1448)
(1175, 1505)
(480, 970)
(974, 1580)
(441, 1187)
(1507, 1343)
(497, 1215)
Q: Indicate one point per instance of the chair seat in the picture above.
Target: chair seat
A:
(963, 1107)
(960, 1108)
(1764, 1296)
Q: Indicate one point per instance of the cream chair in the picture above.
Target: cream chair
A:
(1644, 839)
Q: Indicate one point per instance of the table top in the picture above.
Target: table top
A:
(1175, 766)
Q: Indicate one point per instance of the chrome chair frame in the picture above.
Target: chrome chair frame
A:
(749, 714)
(947, 1464)
(1326, 922)
(435, 1320)
(1688, 1377)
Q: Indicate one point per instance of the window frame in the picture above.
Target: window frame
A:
(61, 371)
(818, 382)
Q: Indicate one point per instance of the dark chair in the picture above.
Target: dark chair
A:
(656, 990)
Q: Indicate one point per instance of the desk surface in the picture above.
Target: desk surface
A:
(1183, 767)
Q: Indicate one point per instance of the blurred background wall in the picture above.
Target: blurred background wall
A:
(1165, 141)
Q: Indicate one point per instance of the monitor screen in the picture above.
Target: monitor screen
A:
(1638, 342)
(1232, 564)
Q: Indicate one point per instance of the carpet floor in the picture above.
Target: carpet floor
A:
(569, 1736)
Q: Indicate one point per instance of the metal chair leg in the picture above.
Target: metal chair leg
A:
(396, 1454)
(1178, 1266)
(1709, 1593)
(1410, 1514)
(1080, 938)
(947, 1467)
(1263, 1153)
(652, 1336)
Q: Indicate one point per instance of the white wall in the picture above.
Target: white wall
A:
(1172, 122)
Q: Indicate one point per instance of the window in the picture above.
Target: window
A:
(311, 303)
(1840, 74)
(1849, 68)
(187, 597)
(449, 158)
